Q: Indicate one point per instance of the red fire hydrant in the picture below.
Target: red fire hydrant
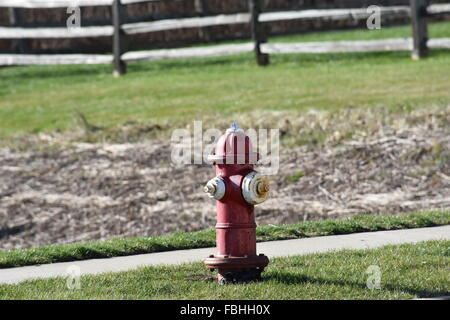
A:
(237, 188)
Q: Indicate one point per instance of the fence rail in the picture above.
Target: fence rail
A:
(402, 44)
(51, 33)
(196, 22)
(199, 22)
(439, 8)
(119, 30)
(44, 4)
(50, 59)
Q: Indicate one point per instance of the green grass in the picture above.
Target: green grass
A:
(44, 98)
(206, 238)
(407, 271)
(295, 176)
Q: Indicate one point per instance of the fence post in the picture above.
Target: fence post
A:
(257, 30)
(419, 28)
(119, 38)
(15, 19)
(202, 9)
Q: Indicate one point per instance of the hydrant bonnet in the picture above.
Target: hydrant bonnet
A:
(234, 147)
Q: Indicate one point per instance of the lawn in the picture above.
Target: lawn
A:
(44, 98)
(206, 238)
(407, 271)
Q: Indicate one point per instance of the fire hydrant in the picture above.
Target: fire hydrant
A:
(237, 189)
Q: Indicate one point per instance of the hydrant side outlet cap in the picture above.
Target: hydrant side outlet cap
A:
(255, 188)
(215, 188)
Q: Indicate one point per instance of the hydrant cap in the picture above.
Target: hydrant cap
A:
(255, 188)
(215, 188)
(234, 147)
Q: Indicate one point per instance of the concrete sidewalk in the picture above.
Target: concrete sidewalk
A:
(272, 249)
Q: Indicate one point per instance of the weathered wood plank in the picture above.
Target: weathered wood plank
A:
(141, 1)
(53, 59)
(199, 52)
(32, 4)
(401, 44)
(334, 14)
(438, 8)
(199, 22)
(439, 43)
(196, 22)
(432, 9)
(57, 32)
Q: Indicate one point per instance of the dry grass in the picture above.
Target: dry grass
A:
(351, 161)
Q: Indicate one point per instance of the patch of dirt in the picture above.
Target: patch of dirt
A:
(201, 277)
(362, 162)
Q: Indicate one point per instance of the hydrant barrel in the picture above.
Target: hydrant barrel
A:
(241, 188)
(235, 228)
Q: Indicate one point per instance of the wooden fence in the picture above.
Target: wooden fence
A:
(119, 30)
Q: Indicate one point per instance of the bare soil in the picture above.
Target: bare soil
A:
(363, 161)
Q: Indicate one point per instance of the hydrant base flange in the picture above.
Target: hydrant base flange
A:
(238, 269)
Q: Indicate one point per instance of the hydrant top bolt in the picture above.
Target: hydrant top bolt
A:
(234, 127)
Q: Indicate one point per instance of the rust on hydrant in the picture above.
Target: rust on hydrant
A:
(237, 189)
